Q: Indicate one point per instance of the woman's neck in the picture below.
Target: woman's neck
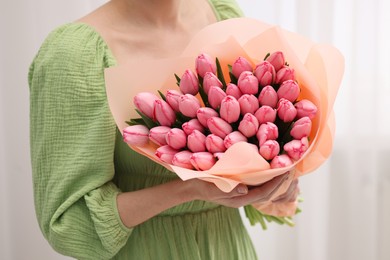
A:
(166, 14)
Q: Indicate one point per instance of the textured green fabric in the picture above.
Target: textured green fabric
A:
(80, 164)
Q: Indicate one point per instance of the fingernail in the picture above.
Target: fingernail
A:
(242, 190)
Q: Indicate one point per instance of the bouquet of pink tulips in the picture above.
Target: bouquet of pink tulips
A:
(259, 106)
(241, 118)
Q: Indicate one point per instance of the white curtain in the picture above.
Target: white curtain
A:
(346, 208)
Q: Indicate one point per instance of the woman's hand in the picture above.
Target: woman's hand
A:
(242, 195)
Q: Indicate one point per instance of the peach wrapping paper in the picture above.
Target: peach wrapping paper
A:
(319, 70)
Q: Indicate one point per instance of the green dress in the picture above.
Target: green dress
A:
(80, 164)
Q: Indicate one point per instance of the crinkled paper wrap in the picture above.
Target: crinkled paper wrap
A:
(318, 70)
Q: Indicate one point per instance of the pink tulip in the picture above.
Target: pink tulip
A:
(166, 153)
(286, 110)
(163, 113)
(190, 126)
(188, 105)
(276, 59)
(306, 108)
(172, 98)
(189, 83)
(233, 90)
(269, 149)
(234, 137)
(136, 135)
(268, 97)
(144, 102)
(241, 65)
(265, 73)
(204, 63)
(196, 142)
(157, 135)
(248, 104)
(296, 148)
(285, 73)
(249, 125)
(281, 161)
(289, 90)
(219, 127)
(204, 113)
(176, 138)
(210, 80)
(202, 161)
(182, 159)
(301, 128)
(267, 131)
(214, 144)
(230, 109)
(265, 114)
(248, 83)
(215, 96)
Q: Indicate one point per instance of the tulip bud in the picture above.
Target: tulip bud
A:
(209, 81)
(157, 135)
(285, 73)
(296, 148)
(234, 137)
(219, 127)
(248, 83)
(136, 135)
(194, 124)
(230, 109)
(176, 138)
(289, 90)
(269, 149)
(204, 63)
(202, 161)
(172, 98)
(267, 131)
(306, 108)
(249, 125)
(196, 142)
(182, 159)
(233, 90)
(248, 104)
(301, 128)
(241, 65)
(265, 114)
(214, 144)
(204, 113)
(163, 113)
(276, 59)
(286, 110)
(265, 73)
(144, 102)
(281, 161)
(268, 97)
(189, 83)
(215, 96)
(166, 153)
(188, 105)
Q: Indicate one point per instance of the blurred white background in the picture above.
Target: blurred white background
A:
(346, 210)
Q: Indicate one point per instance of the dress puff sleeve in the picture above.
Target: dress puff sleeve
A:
(72, 137)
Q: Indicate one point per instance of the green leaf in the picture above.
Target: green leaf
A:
(177, 79)
(136, 121)
(220, 73)
(149, 123)
(162, 95)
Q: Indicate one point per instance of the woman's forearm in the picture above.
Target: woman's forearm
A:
(138, 206)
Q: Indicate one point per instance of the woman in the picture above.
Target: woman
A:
(96, 198)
